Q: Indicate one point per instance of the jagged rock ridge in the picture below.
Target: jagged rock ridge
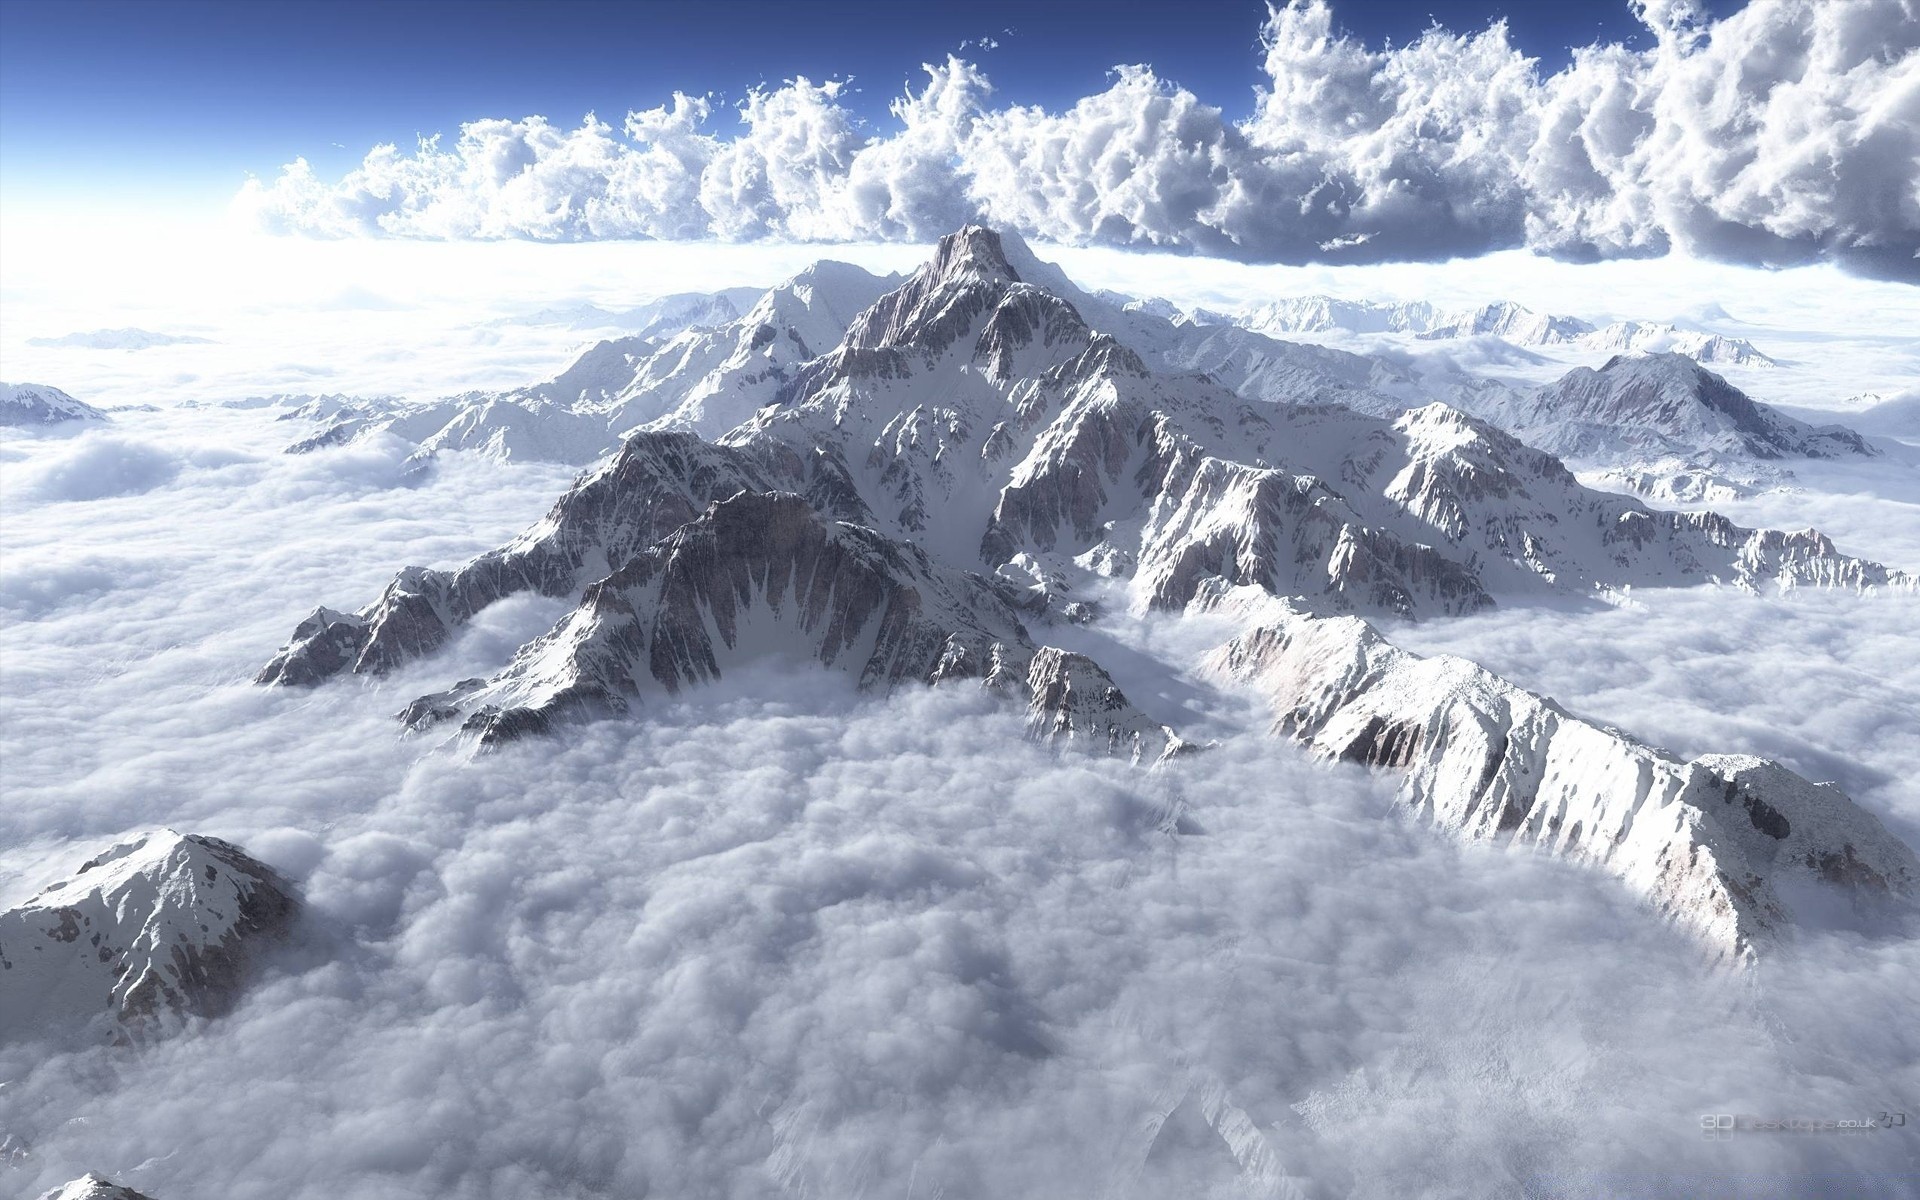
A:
(1724, 844)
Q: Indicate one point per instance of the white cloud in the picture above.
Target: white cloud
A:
(1788, 131)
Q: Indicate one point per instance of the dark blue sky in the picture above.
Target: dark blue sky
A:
(185, 98)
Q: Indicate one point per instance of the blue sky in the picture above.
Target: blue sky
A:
(180, 101)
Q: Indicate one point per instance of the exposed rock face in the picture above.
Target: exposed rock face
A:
(94, 1187)
(30, 405)
(157, 929)
(1071, 699)
(657, 483)
(1726, 845)
(762, 575)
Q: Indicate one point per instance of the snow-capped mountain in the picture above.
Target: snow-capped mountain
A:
(159, 928)
(657, 319)
(1326, 314)
(94, 1187)
(1892, 416)
(1655, 338)
(1665, 414)
(1503, 319)
(704, 378)
(117, 339)
(1510, 322)
(917, 502)
(1728, 845)
(37, 404)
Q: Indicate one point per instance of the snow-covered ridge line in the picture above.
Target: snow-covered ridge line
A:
(1503, 319)
(1734, 848)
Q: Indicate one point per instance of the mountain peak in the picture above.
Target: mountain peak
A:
(93, 1187)
(972, 250)
(159, 927)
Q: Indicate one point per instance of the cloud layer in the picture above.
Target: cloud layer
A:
(1786, 132)
(782, 940)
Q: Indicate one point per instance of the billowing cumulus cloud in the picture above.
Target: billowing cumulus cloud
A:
(1786, 132)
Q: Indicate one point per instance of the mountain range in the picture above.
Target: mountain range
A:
(1649, 420)
(914, 491)
(1503, 319)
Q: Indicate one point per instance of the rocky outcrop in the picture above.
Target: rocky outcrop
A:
(157, 929)
(1729, 846)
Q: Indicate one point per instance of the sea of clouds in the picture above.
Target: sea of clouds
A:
(788, 939)
(1787, 131)
(782, 939)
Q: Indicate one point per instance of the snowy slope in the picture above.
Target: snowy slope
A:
(676, 374)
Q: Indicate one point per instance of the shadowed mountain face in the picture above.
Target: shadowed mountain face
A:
(918, 501)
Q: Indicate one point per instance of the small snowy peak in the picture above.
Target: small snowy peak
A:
(1737, 849)
(157, 929)
(94, 1187)
(1889, 416)
(117, 339)
(1327, 314)
(327, 408)
(656, 319)
(1513, 322)
(1072, 700)
(1665, 405)
(1655, 338)
(33, 405)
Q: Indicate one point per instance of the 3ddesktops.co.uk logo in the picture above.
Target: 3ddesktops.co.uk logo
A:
(1728, 1124)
